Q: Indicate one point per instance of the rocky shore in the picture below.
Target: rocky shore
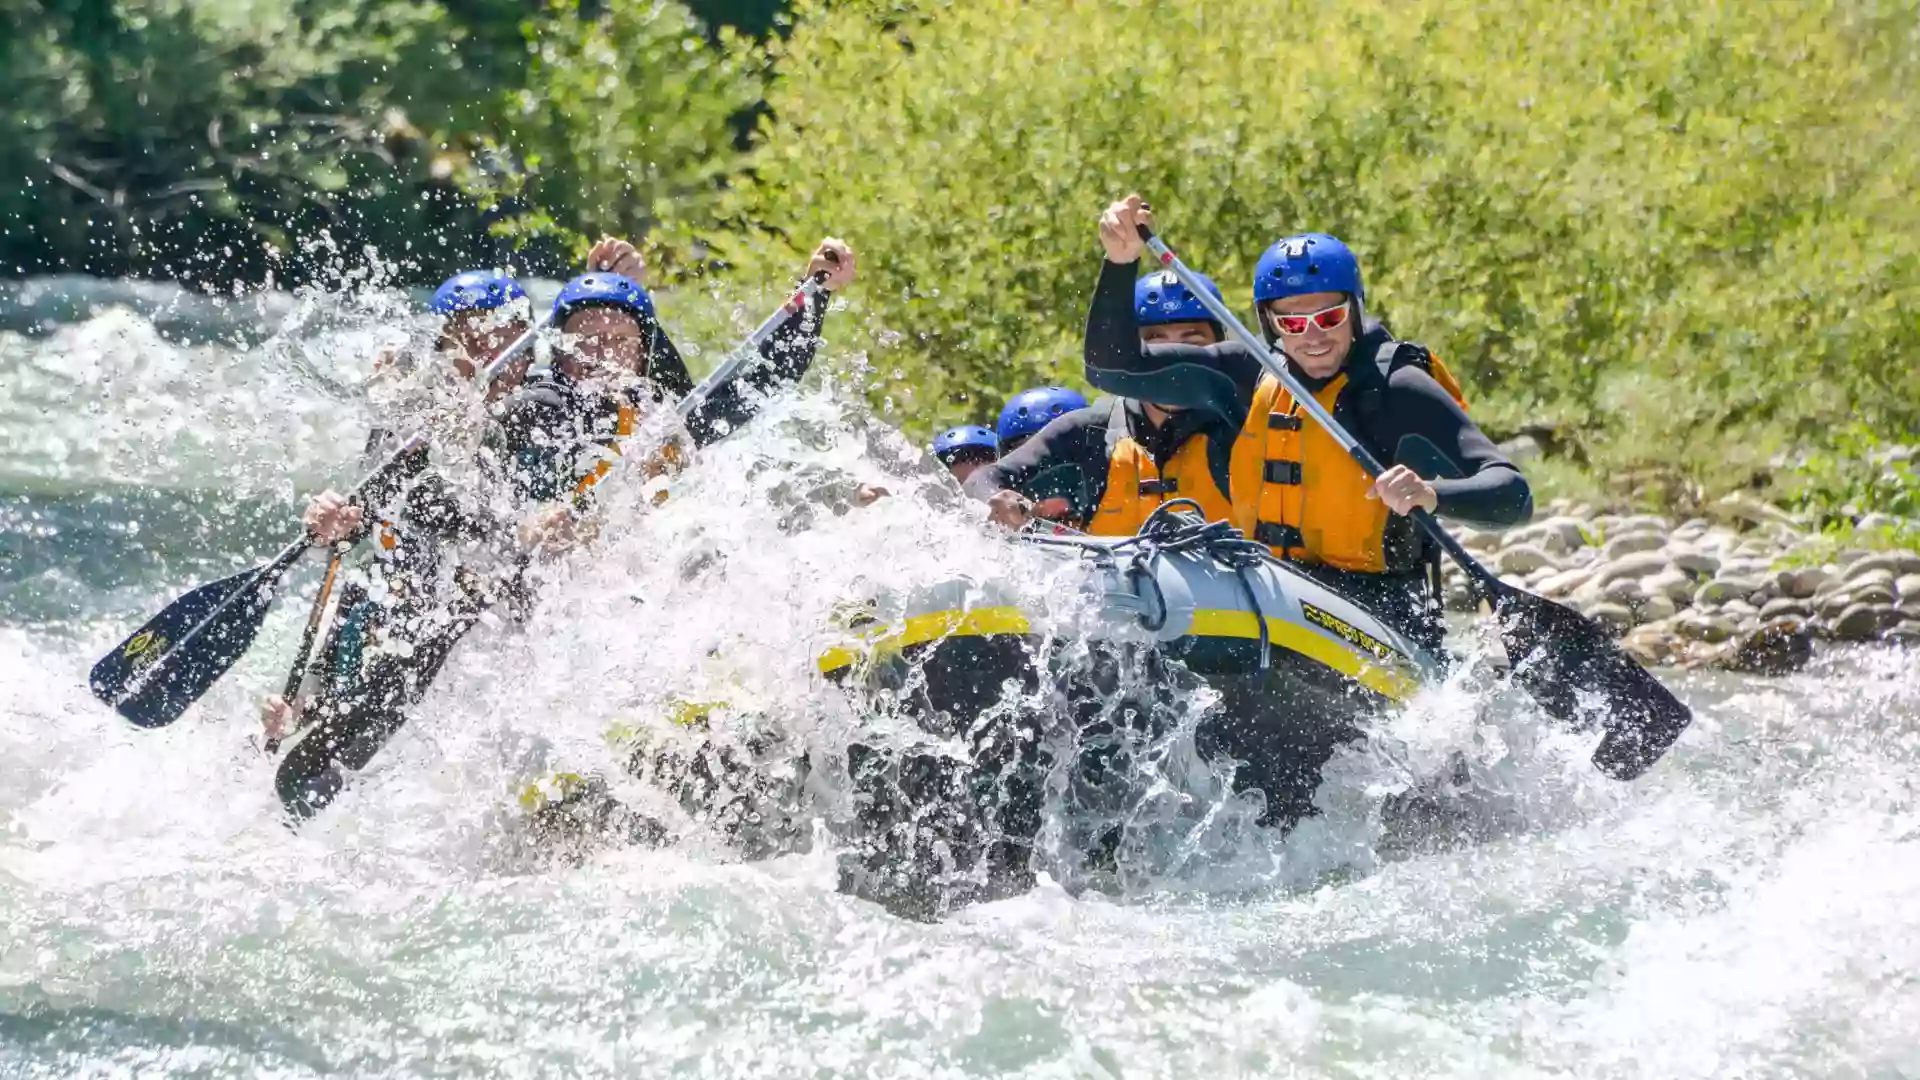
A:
(1745, 588)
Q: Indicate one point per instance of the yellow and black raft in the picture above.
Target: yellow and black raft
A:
(1030, 687)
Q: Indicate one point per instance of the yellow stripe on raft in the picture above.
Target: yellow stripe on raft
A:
(1362, 667)
(920, 629)
(1392, 681)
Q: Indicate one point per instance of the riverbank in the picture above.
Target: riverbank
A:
(1746, 586)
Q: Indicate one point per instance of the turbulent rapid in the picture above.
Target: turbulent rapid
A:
(1750, 907)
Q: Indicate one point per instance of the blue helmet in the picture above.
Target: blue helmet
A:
(603, 290)
(475, 290)
(1308, 263)
(1032, 410)
(1161, 298)
(970, 440)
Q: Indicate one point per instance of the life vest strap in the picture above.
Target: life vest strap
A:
(1283, 421)
(1160, 486)
(1279, 537)
(1283, 472)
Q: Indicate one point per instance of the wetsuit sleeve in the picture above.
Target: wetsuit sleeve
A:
(1428, 428)
(1076, 441)
(1218, 378)
(784, 360)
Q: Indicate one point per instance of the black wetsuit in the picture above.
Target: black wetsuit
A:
(1417, 424)
(1069, 458)
(551, 433)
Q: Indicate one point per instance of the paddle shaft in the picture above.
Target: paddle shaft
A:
(1277, 367)
(750, 348)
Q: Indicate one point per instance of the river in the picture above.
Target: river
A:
(1749, 908)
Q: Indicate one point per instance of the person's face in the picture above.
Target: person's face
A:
(1300, 323)
(1198, 332)
(471, 339)
(964, 468)
(601, 343)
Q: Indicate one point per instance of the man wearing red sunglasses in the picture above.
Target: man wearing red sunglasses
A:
(1292, 487)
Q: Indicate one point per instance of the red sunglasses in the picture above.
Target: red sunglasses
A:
(1326, 319)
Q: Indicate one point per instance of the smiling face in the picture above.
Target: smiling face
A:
(471, 339)
(601, 343)
(1319, 352)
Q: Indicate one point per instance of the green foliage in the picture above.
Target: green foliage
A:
(1858, 475)
(1664, 227)
(223, 140)
(625, 118)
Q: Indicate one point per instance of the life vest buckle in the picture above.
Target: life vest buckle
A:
(1278, 536)
(1283, 422)
(1283, 472)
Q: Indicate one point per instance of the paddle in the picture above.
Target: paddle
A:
(165, 666)
(749, 349)
(313, 641)
(1565, 660)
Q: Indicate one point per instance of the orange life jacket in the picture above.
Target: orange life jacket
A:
(1304, 496)
(1136, 487)
(670, 458)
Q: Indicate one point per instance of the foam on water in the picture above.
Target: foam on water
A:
(1750, 908)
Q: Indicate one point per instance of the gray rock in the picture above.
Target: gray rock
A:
(1873, 592)
(1524, 559)
(1740, 566)
(1631, 567)
(1786, 607)
(1691, 528)
(1564, 582)
(1864, 622)
(1909, 607)
(1521, 448)
(1875, 522)
(1829, 605)
(1693, 560)
(1642, 522)
(1847, 558)
(1877, 575)
(1741, 507)
(1723, 588)
(1702, 627)
(1893, 563)
(1738, 608)
(1778, 648)
(1618, 547)
(1908, 586)
(1623, 591)
(1802, 583)
(1906, 633)
(1615, 617)
(1654, 608)
(1672, 584)
(1559, 535)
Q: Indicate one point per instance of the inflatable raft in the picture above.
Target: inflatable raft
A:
(1026, 685)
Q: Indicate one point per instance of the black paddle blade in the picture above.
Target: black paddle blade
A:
(151, 679)
(1577, 673)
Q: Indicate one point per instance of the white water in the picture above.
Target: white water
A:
(1750, 908)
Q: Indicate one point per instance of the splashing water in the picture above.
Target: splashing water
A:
(1750, 908)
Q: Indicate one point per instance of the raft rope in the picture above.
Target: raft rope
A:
(1176, 526)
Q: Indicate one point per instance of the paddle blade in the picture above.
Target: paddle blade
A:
(165, 666)
(1577, 672)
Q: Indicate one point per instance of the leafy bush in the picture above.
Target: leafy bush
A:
(1859, 475)
(223, 140)
(1655, 224)
(626, 117)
